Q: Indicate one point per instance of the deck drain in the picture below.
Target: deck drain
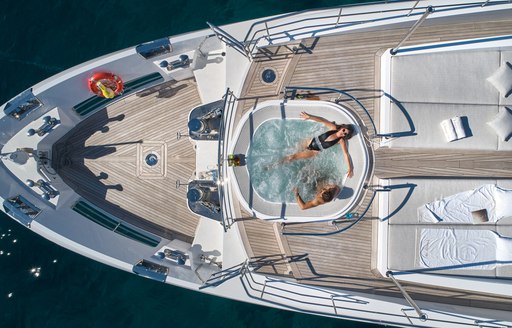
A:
(151, 159)
(269, 75)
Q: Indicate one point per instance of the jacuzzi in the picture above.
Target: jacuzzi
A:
(352, 188)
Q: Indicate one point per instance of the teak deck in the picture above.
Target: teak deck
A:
(102, 160)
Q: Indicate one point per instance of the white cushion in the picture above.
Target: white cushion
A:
(443, 77)
(423, 191)
(422, 116)
(502, 124)
(503, 198)
(502, 79)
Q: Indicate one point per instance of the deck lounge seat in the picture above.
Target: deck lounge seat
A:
(450, 249)
(405, 226)
(440, 92)
(426, 119)
(442, 77)
(400, 206)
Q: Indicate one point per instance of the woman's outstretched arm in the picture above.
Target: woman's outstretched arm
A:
(319, 119)
(302, 204)
(348, 160)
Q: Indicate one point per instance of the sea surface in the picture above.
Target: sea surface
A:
(45, 285)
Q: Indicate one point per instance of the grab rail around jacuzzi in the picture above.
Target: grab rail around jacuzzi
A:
(320, 91)
(345, 217)
(293, 90)
(225, 125)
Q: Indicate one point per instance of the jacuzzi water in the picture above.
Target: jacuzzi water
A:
(275, 139)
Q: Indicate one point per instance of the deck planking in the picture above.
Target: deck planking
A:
(346, 260)
(398, 163)
(102, 159)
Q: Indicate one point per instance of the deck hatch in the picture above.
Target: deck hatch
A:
(154, 48)
(151, 270)
(21, 209)
(22, 105)
(112, 224)
(89, 105)
(128, 232)
(95, 215)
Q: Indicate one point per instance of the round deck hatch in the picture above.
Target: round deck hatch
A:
(151, 159)
(269, 75)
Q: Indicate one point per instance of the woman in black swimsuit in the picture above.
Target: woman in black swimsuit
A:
(337, 134)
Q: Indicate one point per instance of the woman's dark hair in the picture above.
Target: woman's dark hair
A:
(328, 195)
(350, 129)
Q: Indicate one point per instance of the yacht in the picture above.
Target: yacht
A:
(172, 160)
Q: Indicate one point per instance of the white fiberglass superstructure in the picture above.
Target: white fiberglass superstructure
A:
(137, 159)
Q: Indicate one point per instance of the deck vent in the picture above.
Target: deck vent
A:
(269, 75)
(151, 159)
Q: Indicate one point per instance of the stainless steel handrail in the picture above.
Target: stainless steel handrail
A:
(258, 290)
(340, 93)
(263, 29)
(224, 136)
(416, 25)
(229, 40)
(421, 315)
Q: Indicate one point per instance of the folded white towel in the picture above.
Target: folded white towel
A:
(459, 127)
(449, 130)
(453, 129)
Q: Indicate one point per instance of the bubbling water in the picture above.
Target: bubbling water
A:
(277, 138)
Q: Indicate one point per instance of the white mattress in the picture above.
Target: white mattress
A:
(395, 212)
(435, 87)
(424, 191)
(457, 208)
(443, 77)
(458, 249)
(449, 249)
(426, 119)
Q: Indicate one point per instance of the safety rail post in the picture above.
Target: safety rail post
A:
(413, 7)
(202, 43)
(423, 17)
(217, 277)
(268, 32)
(339, 17)
(263, 289)
(334, 305)
(422, 316)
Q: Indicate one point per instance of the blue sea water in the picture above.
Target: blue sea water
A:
(41, 38)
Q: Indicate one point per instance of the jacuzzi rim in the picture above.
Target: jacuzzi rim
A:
(307, 217)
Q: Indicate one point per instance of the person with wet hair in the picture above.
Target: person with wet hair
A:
(324, 195)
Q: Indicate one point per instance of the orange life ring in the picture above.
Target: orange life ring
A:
(106, 85)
